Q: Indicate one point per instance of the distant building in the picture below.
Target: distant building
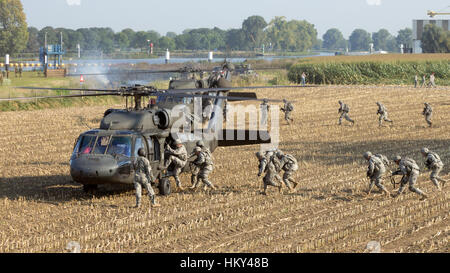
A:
(418, 27)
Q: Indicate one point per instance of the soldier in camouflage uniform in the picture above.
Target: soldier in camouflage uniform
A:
(410, 171)
(289, 165)
(434, 163)
(264, 108)
(375, 172)
(343, 110)
(287, 109)
(382, 111)
(205, 166)
(266, 164)
(195, 170)
(178, 157)
(428, 113)
(142, 178)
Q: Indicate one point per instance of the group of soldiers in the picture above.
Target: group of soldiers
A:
(344, 109)
(272, 163)
(409, 170)
(177, 157)
(424, 81)
(286, 109)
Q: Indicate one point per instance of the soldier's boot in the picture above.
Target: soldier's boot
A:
(295, 184)
(424, 196)
(178, 183)
(213, 187)
(153, 202)
(280, 188)
(194, 185)
(395, 195)
(138, 203)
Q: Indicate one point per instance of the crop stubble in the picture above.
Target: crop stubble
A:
(42, 210)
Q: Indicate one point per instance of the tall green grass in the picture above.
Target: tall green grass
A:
(371, 72)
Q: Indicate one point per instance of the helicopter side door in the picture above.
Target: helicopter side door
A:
(153, 153)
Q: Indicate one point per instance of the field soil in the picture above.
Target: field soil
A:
(43, 210)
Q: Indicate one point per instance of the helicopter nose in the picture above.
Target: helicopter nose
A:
(93, 167)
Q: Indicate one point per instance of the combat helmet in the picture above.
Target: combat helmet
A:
(367, 155)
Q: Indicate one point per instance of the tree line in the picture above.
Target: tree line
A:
(256, 33)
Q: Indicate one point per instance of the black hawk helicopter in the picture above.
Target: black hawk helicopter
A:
(106, 155)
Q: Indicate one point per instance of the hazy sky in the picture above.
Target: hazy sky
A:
(178, 15)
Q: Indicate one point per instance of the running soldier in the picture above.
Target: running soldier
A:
(205, 166)
(343, 110)
(287, 109)
(142, 178)
(410, 171)
(178, 157)
(289, 165)
(382, 111)
(375, 172)
(434, 163)
(266, 164)
(428, 113)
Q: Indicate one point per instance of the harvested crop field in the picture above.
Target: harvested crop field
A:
(43, 210)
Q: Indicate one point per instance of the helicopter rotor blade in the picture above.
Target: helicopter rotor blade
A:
(65, 89)
(243, 94)
(60, 97)
(214, 97)
(225, 89)
(128, 72)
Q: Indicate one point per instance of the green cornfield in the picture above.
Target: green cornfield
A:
(372, 70)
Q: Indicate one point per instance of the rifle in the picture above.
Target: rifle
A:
(394, 183)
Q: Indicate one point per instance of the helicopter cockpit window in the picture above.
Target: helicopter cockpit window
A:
(120, 145)
(139, 144)
(101, 144)
(86, 144)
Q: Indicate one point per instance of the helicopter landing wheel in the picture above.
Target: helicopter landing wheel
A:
(164, 186)
(90, 188)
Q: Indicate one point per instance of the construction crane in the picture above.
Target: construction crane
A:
(433, 13)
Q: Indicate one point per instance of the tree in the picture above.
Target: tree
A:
(253, 28)
(171, 34)
(13, 27)
(122, 40)
(359, 40)
(235, 39)
(52, 38)
(333, 39)
(404, 38)
(293, 35)
(435, 39)
(33, 40)
(166, 43)
(381, 38)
